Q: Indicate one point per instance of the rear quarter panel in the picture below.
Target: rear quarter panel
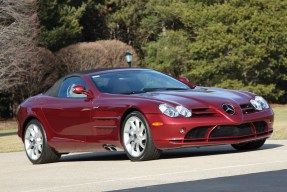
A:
(32, 109)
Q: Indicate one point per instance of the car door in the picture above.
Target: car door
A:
(69, 114)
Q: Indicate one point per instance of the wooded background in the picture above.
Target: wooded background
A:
(237, 44)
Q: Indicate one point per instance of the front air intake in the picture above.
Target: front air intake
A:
(232, 130)
(198, 132)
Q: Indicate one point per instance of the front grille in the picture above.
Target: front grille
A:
(260, 126)
(232, 130)
(247, 108)
(197, 133)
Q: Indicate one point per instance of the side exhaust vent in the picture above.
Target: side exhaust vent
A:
(110, 147)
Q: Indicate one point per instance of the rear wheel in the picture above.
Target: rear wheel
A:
(250, 145)
(37, 149)
(137, 139)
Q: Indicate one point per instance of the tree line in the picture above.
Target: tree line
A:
(237, 44)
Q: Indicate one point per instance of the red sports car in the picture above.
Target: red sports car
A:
(140, 111)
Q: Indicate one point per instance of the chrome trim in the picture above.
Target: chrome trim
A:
(228, 109)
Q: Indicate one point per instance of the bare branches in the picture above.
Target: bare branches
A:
(18, 30)
(99, 54)
(43, 70)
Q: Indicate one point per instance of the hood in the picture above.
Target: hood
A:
(202, 97)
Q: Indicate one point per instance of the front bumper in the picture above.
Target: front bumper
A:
(204, 131)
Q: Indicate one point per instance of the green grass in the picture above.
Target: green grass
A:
(280, 123)
(12, 130)
(10, 143)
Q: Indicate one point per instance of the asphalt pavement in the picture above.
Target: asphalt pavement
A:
(216, 168)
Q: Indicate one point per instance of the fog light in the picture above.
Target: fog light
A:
(182, 130)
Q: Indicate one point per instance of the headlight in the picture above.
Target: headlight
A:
(256, 104)
(259, 103)
(262, 102)
(174, 111)
(183, 111)
(168, 110)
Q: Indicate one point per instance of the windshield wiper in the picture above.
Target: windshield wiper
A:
(163, 89)
(151, 90)
(175, 88)
(132, 92)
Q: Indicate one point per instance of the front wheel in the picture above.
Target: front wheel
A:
(137, 139)
(37, 149)
(250, 145)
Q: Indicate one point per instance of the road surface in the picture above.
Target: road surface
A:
(217, 168)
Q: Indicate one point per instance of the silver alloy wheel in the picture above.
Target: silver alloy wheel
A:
(33, 142)
(135, 136)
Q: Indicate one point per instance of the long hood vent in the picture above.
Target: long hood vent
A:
(203, 112)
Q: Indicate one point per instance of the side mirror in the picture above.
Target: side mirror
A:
(186, 81)
(79, 89)
(183, 79)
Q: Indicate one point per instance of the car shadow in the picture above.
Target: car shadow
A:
(98, 156)
(210, 150)
(168, 154)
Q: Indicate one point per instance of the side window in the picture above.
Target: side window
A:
(101, 83)
(66, 90)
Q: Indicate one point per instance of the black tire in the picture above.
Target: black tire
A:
(149, 152)
(249, 146)
(32, 147)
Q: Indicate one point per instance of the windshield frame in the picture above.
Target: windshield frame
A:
(126, 74)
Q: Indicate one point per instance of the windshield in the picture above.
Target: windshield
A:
(136, 81)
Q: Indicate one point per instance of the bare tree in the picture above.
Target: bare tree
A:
(42, 72)
(99, 54)
(18, 29)
(25, 69)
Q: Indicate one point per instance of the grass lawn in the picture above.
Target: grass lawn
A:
(280, 122)
(10, 142)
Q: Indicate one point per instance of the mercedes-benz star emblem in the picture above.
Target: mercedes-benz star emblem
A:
(228, 109)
